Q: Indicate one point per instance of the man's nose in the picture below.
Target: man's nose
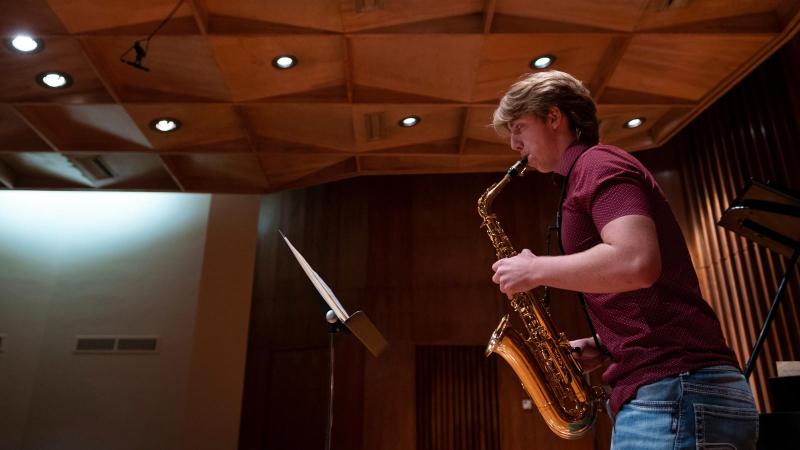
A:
(516, 144)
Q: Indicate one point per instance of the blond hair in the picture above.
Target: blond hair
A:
(538, 92)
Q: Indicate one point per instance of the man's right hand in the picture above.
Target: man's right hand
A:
(588, 355)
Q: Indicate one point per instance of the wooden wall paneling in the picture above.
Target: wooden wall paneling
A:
(456, 398)
(743, 318)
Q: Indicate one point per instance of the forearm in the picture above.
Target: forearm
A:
(600, 269)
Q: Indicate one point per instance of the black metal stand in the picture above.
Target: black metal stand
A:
(332, 369)
(764, 329)
(335, 327)
(770, 216)
(357, 324)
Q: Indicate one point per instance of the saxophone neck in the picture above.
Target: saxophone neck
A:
(485, 202)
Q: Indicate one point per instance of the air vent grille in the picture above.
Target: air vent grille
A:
(95, 168)
(368, 5)
(88, 344)
(137, 344)
(375, 126)
(116, 344)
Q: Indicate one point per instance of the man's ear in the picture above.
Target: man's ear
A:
(554, 117)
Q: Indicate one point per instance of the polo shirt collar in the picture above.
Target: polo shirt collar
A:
(570, 155)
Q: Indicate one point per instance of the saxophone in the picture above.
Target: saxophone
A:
(542, 357)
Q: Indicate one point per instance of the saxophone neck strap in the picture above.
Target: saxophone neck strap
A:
(562, 197)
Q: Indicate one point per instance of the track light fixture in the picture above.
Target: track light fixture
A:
(141, 46)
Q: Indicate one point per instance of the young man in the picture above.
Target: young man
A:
(675, 383)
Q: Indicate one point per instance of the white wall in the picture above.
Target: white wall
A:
(100, 263)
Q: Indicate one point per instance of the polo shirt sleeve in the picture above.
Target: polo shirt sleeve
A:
(610, 187)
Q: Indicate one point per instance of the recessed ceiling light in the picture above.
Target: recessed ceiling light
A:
(543, 62)
(409, 121)
(634, 123)
(54, 80)
(284, 62)
(165, 124)
(25, 44)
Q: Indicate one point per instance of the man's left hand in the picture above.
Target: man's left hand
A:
(514, 274)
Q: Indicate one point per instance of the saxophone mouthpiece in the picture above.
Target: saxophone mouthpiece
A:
(518, 168)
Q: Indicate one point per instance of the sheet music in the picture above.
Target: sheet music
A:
(318, 283)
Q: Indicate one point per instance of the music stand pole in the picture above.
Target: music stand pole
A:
(334, 327)
(331, 367)
(778, 297)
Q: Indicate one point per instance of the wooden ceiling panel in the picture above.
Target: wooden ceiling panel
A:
(87, 16)
(246, 63)
(59, 53)
(312, 14)
(683, 65)
(182, 69)
(378, 126)
(478, 147)
(658, 121)
(621, 15)
(230, 172)
(41, 170)
(438, 66)
(287, 169)
(130, 171)
(420, 164)
(212, 127)
(506, 58)
(363, 65)
(613, 118)
(322, 125)
(381, 13)
(714, 14)
(479, 125)
(29, 16)
(86, 127)
(16, 135)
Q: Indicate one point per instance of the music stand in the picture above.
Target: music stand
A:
(340, 321)
(769, 215)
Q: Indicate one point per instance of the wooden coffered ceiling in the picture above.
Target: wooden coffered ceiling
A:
(363, 65)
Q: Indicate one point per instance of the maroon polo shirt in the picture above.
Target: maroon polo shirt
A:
(651, 333)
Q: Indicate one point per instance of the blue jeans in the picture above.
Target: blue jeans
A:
(711, 408)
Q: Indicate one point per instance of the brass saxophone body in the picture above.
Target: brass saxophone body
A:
(540, 356)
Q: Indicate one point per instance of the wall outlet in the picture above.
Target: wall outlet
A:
(527, 404)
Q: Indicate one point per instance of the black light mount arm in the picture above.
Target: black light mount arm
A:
(141, 50)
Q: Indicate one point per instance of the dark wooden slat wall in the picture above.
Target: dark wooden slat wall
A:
(409, 252)
(457, 402)
(752, 131)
